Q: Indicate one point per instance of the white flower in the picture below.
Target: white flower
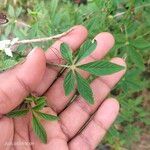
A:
(5, 46)
(4, 43)
(8, 52)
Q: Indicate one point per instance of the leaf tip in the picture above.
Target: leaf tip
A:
(44, 140)
(92, 101)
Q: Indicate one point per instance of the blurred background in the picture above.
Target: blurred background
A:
(127, 20)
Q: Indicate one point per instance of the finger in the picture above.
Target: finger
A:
(17, 83)
(74, 117)
(105, 42)
(74, 39)
(94, 132)
(21, 133)
(7, 132)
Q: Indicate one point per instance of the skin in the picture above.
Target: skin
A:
(34, 77)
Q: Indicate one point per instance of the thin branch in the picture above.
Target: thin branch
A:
(57, 65)
(119, 14)
(44, 39)
(140, 36)
(122, 13)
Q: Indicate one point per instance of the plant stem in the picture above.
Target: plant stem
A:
(57, 65)
(143, 35)
(43, 39)
(122, 13)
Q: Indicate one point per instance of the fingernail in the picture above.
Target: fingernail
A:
(32, 52)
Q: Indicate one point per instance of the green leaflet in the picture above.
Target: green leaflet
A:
(38, 129)
(40, 103)
(69, 82)
(54, 5)
(101, 67)
(140, 43)
(17, 113)
(66, 53)
(136, 58)
(7, 64)
(39, 106)
(84, 88)
(47, 116)
(11, 11)
(39, 100)
(18, 11)
(86, 49)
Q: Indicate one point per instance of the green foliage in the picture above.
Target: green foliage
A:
(69, 82)
(140, 43)
(8, 63)
(66, 53)
(126, 129)
(38, 129)
(101, 68)
(17, 113)
(47, 116)
(127, 20)
(136, 57)
(86, 49)
(37, 115)
(95, 68)
(84, 89)
(40, 103)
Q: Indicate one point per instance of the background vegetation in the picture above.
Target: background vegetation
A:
(127, 20)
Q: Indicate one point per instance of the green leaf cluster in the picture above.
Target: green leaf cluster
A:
(97, 68)
(128, 21)
(35, 105)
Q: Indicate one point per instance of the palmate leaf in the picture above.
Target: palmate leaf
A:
(66, 53)
(84, 88)
(69, 82)
(38, 129)
(47, 116)
(17, 113)
(86, 49)
(101, 67)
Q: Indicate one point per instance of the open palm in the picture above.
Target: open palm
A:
(72, 130)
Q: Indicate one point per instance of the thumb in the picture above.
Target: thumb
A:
(17, 83)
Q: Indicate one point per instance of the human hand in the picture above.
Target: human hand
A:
(34, 77)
